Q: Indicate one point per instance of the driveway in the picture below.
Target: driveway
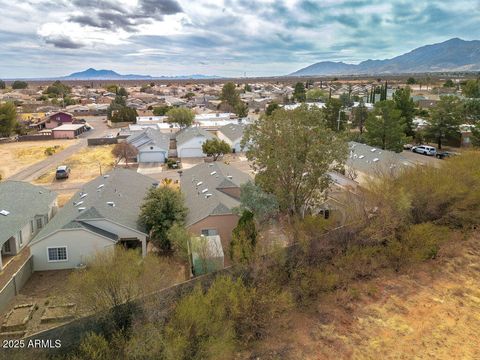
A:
(187, 163)
(149, 168)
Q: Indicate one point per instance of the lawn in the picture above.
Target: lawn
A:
(85, 165)
(20, 155)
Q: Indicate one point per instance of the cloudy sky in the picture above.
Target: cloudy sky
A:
(41, 38)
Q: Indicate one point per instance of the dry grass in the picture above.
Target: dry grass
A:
(63, 198)
(85, 165)
(432, 312)
(18, 156)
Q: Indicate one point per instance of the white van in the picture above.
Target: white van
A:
(425, 150)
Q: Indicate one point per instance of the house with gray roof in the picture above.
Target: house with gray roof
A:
(190, 141)
(102, 214)
(212, 191)
(152, 145)
(24, 210)
(369, 162)
(232, 134)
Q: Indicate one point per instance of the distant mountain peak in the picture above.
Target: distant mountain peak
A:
(453, 54)
(103, 74)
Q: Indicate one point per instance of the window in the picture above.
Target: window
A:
(32, 227)
(6, 247)
(39, 223)
(57, 254)
(20, 238)
(209, 232)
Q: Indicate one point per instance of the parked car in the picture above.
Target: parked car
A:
(63, 172)
(425, 150)
(445, 154)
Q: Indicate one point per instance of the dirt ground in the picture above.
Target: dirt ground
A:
(433, 312)
(19, 155)
(85, 165)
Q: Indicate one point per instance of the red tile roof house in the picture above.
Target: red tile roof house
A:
(58, 118)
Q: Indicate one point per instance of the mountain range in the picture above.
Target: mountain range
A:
(451, 55)
(93, 74)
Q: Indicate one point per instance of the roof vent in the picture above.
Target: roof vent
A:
(373, 150)
(204, 191)
(375, 160)
(77, 203)
(230, 176)
(81, 208)
(111, 203)
(208, 195)
(83, 195)
(5, 212)
(100, 186)
(213, 173)
(361, 156)
(199, 183)
(106, 176)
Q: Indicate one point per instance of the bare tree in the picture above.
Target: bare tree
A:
(125, 151)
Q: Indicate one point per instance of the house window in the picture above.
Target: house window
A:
(32, 227)
(20, 238)
(39, 223)
(209, 232)
(6, 247)
(57, 254)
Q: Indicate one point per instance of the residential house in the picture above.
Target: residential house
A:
(59, 118)
(232, 134)
(152, 145)
(24, 210)
(190, 141)
(68, 131)
(102, 214)
(212, 191)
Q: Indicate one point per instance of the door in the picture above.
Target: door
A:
(152, 156)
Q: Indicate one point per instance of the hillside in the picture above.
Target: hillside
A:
(433, 311)
(93, 74)
(451, 55)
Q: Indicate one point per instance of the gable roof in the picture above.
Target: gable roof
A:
(150, 136)
(116, 196)
(191, 132)
(23, 201)
(210, 178)
(232, 131)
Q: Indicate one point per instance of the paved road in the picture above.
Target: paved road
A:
(36, 170)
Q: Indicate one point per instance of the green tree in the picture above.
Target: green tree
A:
(57, 89)
(334, 117)
(215, 147)
(471, 89)
(411, 81)
(252, 198)
(449, 84)
(113, 88)
(124, 114)
(179, 237)
(181, 116)
(18, 84)
(445, 119)
(472, 111)
(122, 92)
(244, 239)
(386, 127)
(316, 95)
(271, 108)
(292, 152)
(2, 84)
(241, 109)
(8, 119)
(230, 95)
(404, 103)
(248, 88)
(163, 207)
(345, 100)
(360, 114)
(161, 110)
(299, 93)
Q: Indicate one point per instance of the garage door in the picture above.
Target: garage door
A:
(191, 152)
(152, 156)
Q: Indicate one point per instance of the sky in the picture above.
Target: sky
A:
(232, 38)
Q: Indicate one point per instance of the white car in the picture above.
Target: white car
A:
(425, 150)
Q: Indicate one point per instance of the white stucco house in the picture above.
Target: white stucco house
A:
(103, 214)
(232, 134)
(24, 210)
(190, 141)
(152, 145)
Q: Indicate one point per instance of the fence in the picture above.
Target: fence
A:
(102, 141)
(16, 283)
(38, 137)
